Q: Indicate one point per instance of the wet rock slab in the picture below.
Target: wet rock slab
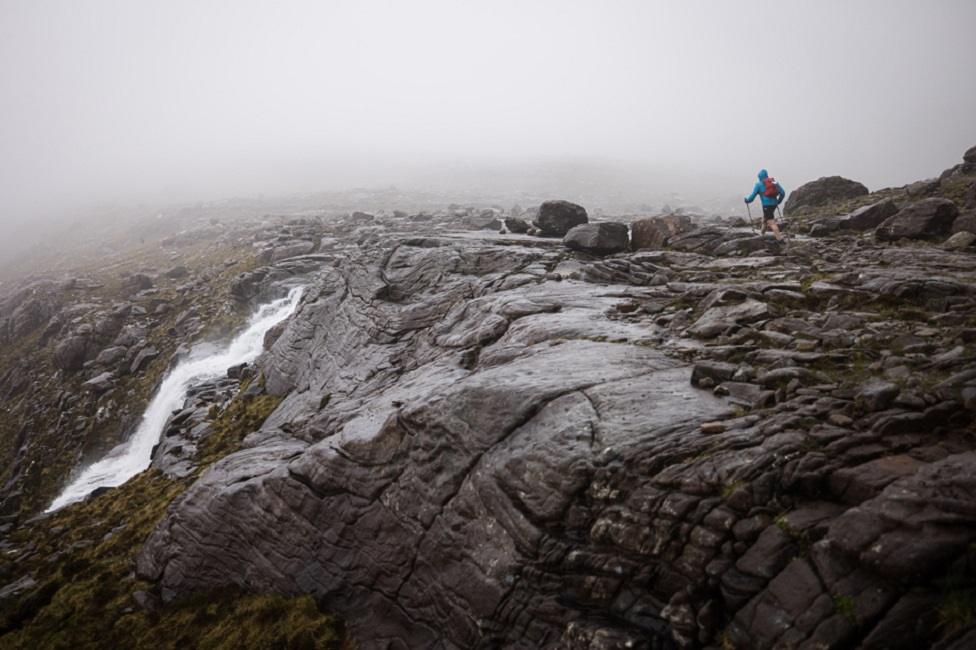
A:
(488, 441)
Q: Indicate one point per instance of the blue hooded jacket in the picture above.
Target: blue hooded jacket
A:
(760, 187)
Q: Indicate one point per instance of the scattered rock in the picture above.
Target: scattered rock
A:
(718, 319)
(516, 225)
(100, 383)
(959, 241)
(142, 359)
(877, 395)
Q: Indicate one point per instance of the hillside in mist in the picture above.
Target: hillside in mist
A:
(563, 325)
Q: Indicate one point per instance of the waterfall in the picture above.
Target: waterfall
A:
(133, 456)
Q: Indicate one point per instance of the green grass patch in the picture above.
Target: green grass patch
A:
(956, 612)
(844, 605)
(241, 417)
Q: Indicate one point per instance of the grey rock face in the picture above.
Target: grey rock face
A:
(604, 238)
(653, 233)
(822, 191)
(480, 450)
(507, 450)
(970, 155)
(556, 218)
(925, 219)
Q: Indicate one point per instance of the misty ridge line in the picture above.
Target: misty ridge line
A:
(619, 106)
(608, 188)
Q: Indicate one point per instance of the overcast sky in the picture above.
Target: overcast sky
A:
(104, 100)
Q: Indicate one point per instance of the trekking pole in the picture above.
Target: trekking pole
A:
(751, 224)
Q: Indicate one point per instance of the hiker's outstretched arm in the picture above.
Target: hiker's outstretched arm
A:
(782, 194)
(755, 190)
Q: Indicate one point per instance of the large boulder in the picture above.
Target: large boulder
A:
(70, 354)
(823, 191)
(654, 232)
(970, 197)
(870, 216)
(602, 238)
(516, 225)
(556, 218)
(923, 219)
(970, 155)
(864, 218)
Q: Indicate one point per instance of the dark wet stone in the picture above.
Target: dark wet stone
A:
(556, 218)
(603, 238)
(822, 191)
(926, 219)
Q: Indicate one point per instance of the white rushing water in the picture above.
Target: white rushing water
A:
(134, 455)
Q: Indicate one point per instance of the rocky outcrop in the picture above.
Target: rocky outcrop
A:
(653, 233)
(482, 454)
(478, 440)
(556, 218)
(823, 191)
(925, 219)
(603, 238)
(970, 155)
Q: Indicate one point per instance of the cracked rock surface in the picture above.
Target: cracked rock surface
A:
(485, 441)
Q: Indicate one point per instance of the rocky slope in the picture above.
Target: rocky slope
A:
(473, 440)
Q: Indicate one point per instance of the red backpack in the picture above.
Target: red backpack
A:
(771, 190)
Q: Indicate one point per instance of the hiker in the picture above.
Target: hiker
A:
(772, 194)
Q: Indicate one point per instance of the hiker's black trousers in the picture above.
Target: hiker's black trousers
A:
(769, 213)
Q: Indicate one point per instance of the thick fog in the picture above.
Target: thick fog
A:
(181, 100)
